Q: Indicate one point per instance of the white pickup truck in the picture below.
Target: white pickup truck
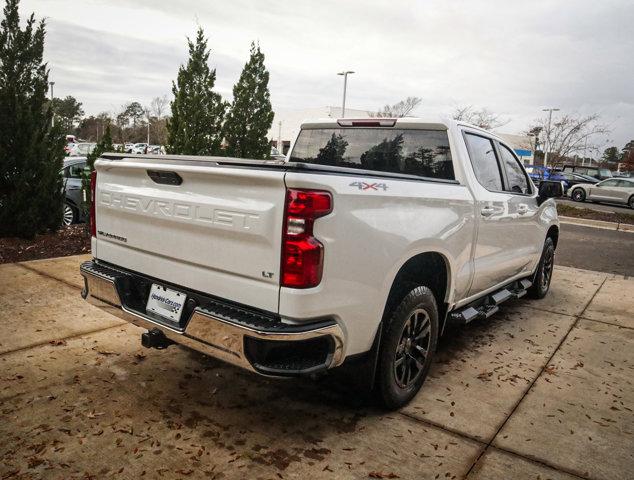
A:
(358, 249)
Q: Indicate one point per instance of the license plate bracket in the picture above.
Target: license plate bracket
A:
(166, 303)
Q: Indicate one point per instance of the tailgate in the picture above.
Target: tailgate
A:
(218, 232)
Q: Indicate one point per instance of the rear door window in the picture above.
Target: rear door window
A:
(484, 161)
(516, 178)
(424, 153)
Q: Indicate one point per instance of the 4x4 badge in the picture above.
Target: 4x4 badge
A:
(369, 186)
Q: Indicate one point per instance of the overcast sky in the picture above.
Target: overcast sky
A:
(513, 57)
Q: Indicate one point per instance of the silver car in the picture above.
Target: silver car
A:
(612, 190)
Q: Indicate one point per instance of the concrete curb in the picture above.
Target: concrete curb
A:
(586, 222)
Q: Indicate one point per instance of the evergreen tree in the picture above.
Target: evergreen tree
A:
(332, 153)
(611, 155)
(31, 150)
(197, 111)
(250, 115)
(68, 113)
(104, 145)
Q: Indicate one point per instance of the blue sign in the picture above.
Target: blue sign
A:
(523, 153)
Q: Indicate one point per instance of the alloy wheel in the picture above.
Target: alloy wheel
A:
(547, 271)
(413, 348)
(69, 215)
(577, 195)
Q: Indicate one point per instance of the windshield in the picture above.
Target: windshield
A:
(604, 172)
(424, 153)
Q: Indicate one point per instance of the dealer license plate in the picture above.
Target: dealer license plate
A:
(166, 302)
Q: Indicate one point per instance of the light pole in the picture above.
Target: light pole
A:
(550, 117)
(52, 84)
(345, 86)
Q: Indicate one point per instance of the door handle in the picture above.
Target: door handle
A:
(487, 211)
(522, 209)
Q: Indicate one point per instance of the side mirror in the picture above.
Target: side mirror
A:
(550, 189)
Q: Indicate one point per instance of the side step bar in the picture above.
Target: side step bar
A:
(486, 306)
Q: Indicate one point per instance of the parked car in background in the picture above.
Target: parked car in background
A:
(596, 172)
(539, 173)
(139, 148)
(80, 149)
(276, 155)
(127, 147)
(155, 150)
(623, 174)
(572, 179)
(72, 174)
(612, 190)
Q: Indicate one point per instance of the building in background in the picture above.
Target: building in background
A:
(522, 145)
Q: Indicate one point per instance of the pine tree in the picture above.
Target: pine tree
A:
(104, 145)
(250, 115)
(197, 111)
(31, 150)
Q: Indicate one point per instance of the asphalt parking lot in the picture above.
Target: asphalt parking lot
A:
(596, 249)
(544, 389)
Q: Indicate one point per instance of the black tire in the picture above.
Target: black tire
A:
(631, 202)
(69, 215)
(407, 348)
(578, 195)
(544, 273)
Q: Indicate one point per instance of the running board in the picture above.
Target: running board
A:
(488, 305)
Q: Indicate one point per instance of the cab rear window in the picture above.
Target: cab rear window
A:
(424, 153)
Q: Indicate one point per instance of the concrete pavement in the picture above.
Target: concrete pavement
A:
(544, 389)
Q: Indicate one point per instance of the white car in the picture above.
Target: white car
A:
(139, 148)
(359, 249)
(80, 149)
(612, 190)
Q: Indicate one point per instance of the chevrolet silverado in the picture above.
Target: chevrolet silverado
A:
(359, 248)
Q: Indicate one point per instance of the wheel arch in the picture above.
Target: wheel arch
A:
(71, 202)
(431, 269)
(553, 232)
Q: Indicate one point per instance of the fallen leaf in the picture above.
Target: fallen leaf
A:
(382, 475)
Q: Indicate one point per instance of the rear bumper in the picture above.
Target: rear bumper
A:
(253, 340)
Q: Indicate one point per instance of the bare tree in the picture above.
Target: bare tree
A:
(398, 110)
(483, 117)
(569, 134)
(158, 106)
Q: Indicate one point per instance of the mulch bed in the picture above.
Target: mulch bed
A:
(580, 212)
(72, 240)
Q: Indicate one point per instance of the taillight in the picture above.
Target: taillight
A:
(303, 254)
(93, 189)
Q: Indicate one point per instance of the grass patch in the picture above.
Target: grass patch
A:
(580, 212)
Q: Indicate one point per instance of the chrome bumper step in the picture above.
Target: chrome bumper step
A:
(256, 341)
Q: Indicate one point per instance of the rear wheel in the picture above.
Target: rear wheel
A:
(407, 348)
(578, 195)
(631, 202)
(544, 273)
